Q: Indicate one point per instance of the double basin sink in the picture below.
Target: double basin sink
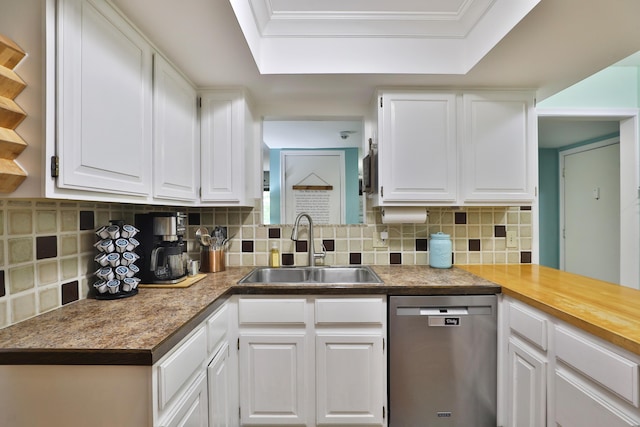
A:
(320, 275)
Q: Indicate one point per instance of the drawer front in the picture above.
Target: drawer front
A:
(528, 325)
(613, 371)
(350, 310)
(578, 406)
(278, 311)
(217, 327)
(177, 369)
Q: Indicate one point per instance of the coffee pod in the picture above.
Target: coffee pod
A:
(102, 232)
(105, 273)
(113, 286)
(128, 231)
(121, 245)
(129, 258)
(122, 272)
(100, 287)
(114, 231)
(101, 259)
(113, 259)
(105, 245)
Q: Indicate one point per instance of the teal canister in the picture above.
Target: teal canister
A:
(440, 249)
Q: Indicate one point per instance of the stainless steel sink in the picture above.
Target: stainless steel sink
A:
(324, 274)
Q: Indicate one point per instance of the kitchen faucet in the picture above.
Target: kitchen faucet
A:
(310, 250)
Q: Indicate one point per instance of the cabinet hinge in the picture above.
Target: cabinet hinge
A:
(238, 344)
(55, 166)
(382, 191)
(380, 102)
(563, 172)
(383, 344)
(383, 412)
(239, 413)
(199, 102)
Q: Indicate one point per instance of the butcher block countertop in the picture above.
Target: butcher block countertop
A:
(140, 329)
(608, 311)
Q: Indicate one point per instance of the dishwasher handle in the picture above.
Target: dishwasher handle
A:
(445, 311)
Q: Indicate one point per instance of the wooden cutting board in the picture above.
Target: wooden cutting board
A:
(190, 280)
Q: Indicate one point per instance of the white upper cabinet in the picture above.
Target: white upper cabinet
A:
(104, 101)
(417, 147)
(227, 132)
(498, 147)
(451, 148)
(176, 142)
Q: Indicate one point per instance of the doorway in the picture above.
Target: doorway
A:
(629, 207)
(590, 210)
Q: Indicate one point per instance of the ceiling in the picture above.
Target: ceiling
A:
(556, 44)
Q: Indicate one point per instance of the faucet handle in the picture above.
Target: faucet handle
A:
(321, 255)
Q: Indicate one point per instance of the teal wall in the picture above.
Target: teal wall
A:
(549, 206)
(352, 184)
(613, 87)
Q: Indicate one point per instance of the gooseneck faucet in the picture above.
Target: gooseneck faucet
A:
(311, 255)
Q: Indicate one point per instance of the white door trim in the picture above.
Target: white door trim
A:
(629, 182)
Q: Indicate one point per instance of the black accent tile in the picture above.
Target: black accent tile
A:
(87, 220)
(525, 257)
(274, 233)
(46, 247)
(460, 217)
(301, 246)
(474, 245)
(500, 231)
(525, 208)
(247, 246)
(194, 218)
(395, 258)
(287, 259)
(329, 245)
(3, 291)
(422, 245)
(355, 258)
(70, 292)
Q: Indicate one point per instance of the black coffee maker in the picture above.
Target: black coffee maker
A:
(162, 247)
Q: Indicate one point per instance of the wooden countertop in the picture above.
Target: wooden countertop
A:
(606, 310)
(139, 330)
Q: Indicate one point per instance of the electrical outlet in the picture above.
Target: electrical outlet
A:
(512, 239)
(381, 240)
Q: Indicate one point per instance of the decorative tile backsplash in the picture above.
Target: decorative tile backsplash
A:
(46, 247)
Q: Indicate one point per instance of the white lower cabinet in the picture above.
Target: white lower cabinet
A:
(220, 376)
(348, 379)
(527, 385)
(312, 361)
(559, 375)
(191, 411)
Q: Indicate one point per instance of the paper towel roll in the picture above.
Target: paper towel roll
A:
(404, 215)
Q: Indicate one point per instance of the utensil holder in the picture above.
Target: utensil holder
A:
(211, 260)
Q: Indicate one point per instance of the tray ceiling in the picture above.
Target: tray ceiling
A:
(375, 36)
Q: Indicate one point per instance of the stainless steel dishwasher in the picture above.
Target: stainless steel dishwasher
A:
(442, 361)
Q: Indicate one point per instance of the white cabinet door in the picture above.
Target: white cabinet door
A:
(349, 375)
(104, 101)
(225, 121)
(222, 412)
(498, 147)
(527, 386)
(192, 410)
(273, 380)
(417, 147)
(577, 404)
(176, 141)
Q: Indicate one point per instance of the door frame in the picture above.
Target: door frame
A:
(629, 182)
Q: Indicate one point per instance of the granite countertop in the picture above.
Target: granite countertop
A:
(139, 330)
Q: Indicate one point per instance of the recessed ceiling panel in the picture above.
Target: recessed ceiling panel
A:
(375, 36)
